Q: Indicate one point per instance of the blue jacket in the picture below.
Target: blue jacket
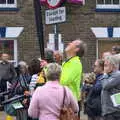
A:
(93, 102)
(97, 87)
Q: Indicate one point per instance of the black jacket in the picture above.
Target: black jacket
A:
(7, 72)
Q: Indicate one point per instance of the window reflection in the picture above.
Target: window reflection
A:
(115, 1)
(108, 1)
(7, 46)
(2, 1)
(11, 1)
(100, 1)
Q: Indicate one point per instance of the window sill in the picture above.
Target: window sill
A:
(107, 10)
(9, 9)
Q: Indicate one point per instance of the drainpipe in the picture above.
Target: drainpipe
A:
(39, 25)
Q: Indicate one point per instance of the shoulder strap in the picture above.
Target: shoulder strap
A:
(64, 93)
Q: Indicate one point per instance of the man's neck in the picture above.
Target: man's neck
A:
(70, 56)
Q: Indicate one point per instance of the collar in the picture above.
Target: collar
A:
(52, 82)
(99, 75)
(71, 58)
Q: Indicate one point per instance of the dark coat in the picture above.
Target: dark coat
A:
(7, 72)
(93, 102)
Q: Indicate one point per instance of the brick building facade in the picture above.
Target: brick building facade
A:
(84, 22)
(79, 24)
(26, 42)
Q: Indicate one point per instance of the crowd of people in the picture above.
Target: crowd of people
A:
(100, 88)
(49, 84)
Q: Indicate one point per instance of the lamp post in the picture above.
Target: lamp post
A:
(39, 25)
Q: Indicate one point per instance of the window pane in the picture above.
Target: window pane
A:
(7, 46)
(107, 1)
(115, 1)
(11, 1)
(100, 1)
(2, 1)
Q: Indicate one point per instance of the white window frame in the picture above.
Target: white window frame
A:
(9, 5)
(15, 60)
(107, 6)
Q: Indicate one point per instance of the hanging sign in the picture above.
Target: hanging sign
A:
(55, 16)
(43, 2)
(54, 3)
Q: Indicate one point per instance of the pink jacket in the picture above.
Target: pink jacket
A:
(47, 101)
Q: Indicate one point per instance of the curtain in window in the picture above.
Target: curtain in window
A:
(2, 1)
(11, 1)
(100, 1)
(107, 1)
(115, 1)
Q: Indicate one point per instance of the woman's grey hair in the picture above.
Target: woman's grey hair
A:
(113, 60)
(53, 71)
(22, 63)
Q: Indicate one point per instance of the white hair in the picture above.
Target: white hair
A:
(53, 71)
(113, 60)
(23, 63)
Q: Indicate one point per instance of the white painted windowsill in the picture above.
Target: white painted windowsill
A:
(108, 6)
(8, 5)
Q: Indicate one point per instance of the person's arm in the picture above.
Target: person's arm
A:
(111, 82)
(13, 74)
(32, 84)
(73, 101)
(34, 109)
(97, 87)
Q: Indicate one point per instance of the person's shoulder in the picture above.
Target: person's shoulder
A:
(116, 74)
(39, 89)
(34, 75)
(76, 61)
(67, 89)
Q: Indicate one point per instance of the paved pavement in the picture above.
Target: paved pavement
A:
(3, 116)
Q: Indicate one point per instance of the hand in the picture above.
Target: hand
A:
(27, 93)
(25, 101)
